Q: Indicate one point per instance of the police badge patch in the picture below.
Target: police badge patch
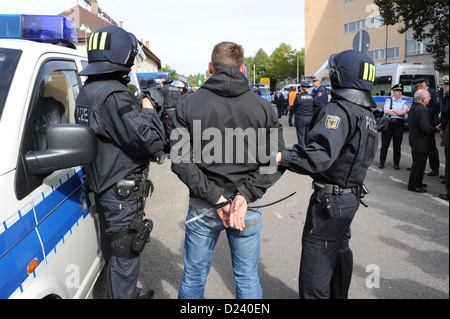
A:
(332, 122)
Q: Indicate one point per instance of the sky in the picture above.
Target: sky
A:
(182, 33)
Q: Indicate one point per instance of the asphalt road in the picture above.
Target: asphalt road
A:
(400, 242)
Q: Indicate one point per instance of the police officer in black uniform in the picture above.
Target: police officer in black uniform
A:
(172, 96)
(127, 136)
(303, 110)
(342, 145)
(319, 94)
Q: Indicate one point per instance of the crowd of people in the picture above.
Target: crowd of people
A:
(427, 116)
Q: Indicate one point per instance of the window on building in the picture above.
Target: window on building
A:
(380, 54)
(414, 47)
(367, 23)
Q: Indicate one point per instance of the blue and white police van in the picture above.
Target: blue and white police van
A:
(49, 231)
(389, 74)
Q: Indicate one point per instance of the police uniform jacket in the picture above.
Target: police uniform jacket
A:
(303, 104)
(225, 102)
(434, 106)
(278, 98)
(342, 144)
(172, 97)
(445, 139)
(320, 96)
(127, 135)
(421, 129)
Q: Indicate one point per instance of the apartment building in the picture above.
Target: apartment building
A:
(333, 26)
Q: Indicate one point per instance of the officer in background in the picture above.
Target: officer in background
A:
(434, 108)
(285, 93)
(444, 135)
(127, 136)
(303, 109)
(278, 99)
(291, 99)
(172, 95)
(395, 108)
(319, 94)
(342, 145)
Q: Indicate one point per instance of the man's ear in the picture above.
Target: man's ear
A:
(211, 68)
(242, 69)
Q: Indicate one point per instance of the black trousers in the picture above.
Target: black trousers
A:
(395, 133)
(433, 158)
(326, 263)
(417, 169)
(122, 272)
(291, 115)
(446, 169)
(280, 109)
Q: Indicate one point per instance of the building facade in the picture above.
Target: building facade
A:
(333, 26)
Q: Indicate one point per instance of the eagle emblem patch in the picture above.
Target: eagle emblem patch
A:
(332, 122)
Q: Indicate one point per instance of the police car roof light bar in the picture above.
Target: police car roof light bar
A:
(41, 28)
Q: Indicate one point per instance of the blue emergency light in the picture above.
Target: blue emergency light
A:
(42, 28)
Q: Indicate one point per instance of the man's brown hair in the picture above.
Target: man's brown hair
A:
(227, 54)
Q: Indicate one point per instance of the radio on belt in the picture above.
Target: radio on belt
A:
(41, 28)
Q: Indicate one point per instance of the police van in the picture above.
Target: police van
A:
(49, 231)
(389, 74)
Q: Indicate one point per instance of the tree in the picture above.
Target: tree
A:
(172, 72)
(259, 63)
(282, 63)
(429, 19)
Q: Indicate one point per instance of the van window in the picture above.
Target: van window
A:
(382, 86)
(408, 89)
(53, 102)
(8, 62)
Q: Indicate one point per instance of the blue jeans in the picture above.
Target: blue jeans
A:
(201, 238)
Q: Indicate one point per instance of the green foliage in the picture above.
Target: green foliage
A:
(172, 72)
(429, 19)
(282, 64)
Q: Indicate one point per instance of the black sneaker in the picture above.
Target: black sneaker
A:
(145, 293)
(433, 173)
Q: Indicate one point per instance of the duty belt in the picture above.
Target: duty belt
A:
(333, 189)
(359, 191)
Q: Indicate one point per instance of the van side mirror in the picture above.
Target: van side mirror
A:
(68, 145)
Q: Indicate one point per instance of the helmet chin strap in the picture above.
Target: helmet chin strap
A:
(361, 98)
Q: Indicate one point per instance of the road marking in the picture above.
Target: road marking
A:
(439, 200)
(444, 202)
(278, 215)
(397, 180)
(376, 170)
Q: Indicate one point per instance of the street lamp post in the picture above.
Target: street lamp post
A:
(86, 32)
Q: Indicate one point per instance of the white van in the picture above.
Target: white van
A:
(389, 74)
(49, 231)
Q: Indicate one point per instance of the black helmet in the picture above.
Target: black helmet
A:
(352, 74)
(110, 49)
